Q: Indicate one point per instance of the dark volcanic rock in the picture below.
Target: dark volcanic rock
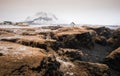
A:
(113, 59)
(114, 41)
(71, 54)
(102, 35)
(103, 31)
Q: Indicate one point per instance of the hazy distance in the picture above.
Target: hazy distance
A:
(67, 11)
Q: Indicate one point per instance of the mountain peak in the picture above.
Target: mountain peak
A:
(42, 18)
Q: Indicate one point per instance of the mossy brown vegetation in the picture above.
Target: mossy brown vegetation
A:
(59, 51)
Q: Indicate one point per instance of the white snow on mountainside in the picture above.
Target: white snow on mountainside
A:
(42, 18)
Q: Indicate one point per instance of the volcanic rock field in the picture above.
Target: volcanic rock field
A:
(60, 51)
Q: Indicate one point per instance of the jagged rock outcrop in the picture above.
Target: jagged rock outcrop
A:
(102, 31)
(113, 59)
(74, 38)
(102, 34)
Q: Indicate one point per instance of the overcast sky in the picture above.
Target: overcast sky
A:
(78, 11)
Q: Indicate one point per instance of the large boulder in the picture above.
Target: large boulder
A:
(113, 59)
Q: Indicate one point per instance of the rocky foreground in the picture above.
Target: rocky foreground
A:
(60, 51)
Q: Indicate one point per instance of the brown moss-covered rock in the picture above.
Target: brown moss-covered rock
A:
(93, 69)
(74, 38)
(113, 59)
(18, 59)
(33, 41)
(58, 51)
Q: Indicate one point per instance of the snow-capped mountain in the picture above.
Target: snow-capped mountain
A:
(42, 18)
